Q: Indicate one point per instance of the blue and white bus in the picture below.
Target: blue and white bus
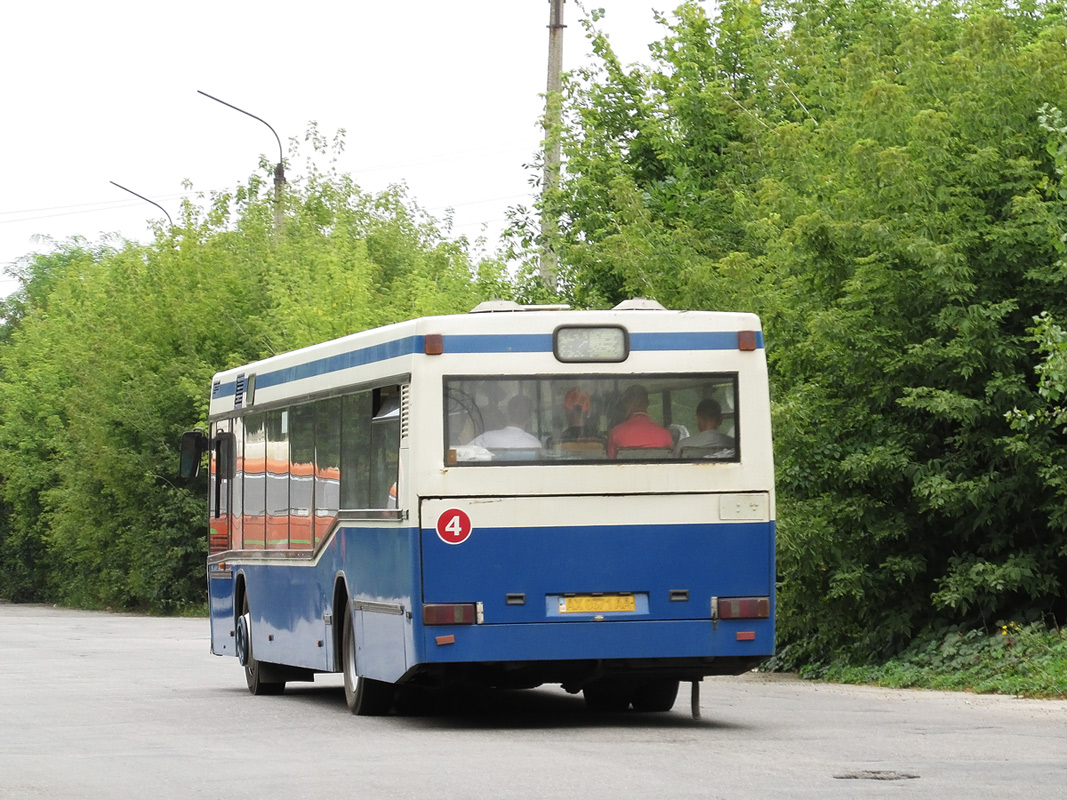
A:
(506, 498)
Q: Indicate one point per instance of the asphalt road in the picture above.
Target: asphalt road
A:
(97, 705)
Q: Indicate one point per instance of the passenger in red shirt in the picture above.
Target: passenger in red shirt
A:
(638, 429)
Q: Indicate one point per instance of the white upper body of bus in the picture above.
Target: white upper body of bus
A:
(457, 379)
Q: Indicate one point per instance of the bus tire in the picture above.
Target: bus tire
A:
(253, 669)
(365, 697)
(607, 696)
(658, 695)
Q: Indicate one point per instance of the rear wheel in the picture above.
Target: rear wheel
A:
(253, 668)
(365, 696)
(658, 695)
(607, 696)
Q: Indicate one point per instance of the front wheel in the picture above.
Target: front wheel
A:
(366, 697)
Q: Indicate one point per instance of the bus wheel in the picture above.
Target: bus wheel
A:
(253, 669)
(655, 695)
(607, 696)
(365, 696)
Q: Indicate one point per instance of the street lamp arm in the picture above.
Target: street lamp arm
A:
(153, 202)
(281, 154)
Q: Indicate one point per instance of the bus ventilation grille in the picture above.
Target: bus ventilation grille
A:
(244, 390)
(405, 408)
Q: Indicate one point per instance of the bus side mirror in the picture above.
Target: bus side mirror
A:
(194, 443)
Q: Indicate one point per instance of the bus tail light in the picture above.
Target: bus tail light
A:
(451, 613)
(433, 344)
(740, 607)
(746, 340)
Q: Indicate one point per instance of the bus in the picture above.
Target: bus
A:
(517, 496)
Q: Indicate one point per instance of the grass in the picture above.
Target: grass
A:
(1016, 659)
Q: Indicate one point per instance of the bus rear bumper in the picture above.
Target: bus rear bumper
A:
(683, 649)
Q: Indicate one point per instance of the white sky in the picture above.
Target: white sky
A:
(444, 96)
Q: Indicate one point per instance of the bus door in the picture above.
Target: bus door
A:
(223, 459)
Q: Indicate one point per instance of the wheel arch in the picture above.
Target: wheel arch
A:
(240, 591)
(339, 607)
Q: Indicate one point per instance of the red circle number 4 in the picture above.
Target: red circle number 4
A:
(453, 526)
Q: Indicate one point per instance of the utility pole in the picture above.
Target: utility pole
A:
(279, 169)
(553, 124)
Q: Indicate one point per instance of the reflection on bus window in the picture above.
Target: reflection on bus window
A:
(327, 464)
(301, 475)
(296, 468)
(255, 482)
(592, 418)
(278, 479)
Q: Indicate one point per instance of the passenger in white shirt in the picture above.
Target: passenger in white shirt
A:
(709, 418)
(514, 435)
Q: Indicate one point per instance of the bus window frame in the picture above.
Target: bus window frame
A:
(453, 383)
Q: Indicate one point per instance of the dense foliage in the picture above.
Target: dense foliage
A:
(876, 179)
(106, 353)
(1014, 658)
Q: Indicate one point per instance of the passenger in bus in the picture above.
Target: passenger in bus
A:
(576, 406)
(638, 429)
(710, 438)
(513, 435)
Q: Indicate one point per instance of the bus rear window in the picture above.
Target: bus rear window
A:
(591, 418)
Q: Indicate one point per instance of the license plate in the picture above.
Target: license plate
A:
(596, 604)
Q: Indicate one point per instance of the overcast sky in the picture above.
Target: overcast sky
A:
(441, 95)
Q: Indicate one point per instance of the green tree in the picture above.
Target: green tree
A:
(107, 354)
(34, 421)
(871, 178)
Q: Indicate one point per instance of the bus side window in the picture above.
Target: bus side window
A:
(370, 447)
(255, 482)
(385, 446)
(277, 479)
(327, 465)
(355, 450)
(237, 495)
(301, 475)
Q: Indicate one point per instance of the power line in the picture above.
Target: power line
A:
(60, 208)
(435, 159)
(84, 208)
(95, 208)
(88, 208)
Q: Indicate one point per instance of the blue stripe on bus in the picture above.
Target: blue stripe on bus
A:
(341, 361)
(335, 363)
(498, 343)
(223, 389)
(470, 344)
(697, 340)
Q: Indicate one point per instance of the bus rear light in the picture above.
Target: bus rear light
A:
(433, 344)
(740, 607)
(746, 340)
(450, 614)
